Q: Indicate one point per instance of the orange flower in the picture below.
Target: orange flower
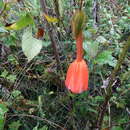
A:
(77, 77)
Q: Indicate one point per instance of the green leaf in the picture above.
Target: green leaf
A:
(1, 4)
(44, 128)
(92, 110)
(35, 4)
(16, 93)
(87, 35)
(30, 46)
(3, 30)
(106, 58)
(120, 105)
(12, 59)
(35, 128)
(21, 23)
(12, 78)
(128, 9)
(46, 43)
(101, 39)
(15, 125)
(3, 110)
(4, 74)
(91, 48)
(99, 98)
(117, 128)
(1, 123)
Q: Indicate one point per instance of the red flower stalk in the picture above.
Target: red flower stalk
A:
(77, 74)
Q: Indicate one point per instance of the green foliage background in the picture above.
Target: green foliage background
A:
(33, 95)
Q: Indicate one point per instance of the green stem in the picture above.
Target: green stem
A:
(79, 46)
(111, 81)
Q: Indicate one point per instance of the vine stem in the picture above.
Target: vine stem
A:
(111, 81)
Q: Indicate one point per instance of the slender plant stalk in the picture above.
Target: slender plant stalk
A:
(56, 5)
(81, 4)
(53, 124)
(51, 35)
(111, 81)
(79, 46)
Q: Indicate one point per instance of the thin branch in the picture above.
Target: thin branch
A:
(96, 13)
(38, 118)
(56, 5)
(51, 34)
(81, 4)
(111, 81)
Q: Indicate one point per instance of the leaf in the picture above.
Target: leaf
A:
(30, 46)
(92, 110)
(35, 4)
(12, 78)
(51, 19)
(106, 57)
(101, 39)
(15, 125)
(91, 48)
(46, 43)
(2, 30)
(35, 128)
(120, 105)
(99, 98)
(87, 35)
(44, 128)
(3, 110)
(1, 4)
(16, 93)
(4, 74)
(117, 128)
(21, 23)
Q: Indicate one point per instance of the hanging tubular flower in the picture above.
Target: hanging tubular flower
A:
(77, 77)
(77, 74)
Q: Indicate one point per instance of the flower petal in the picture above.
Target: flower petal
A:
(77, 77)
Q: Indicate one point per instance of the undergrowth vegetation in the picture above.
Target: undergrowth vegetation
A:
(36, 48)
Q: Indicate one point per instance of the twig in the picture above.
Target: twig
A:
(81, 4)
(95, 13)
(38, 118)
(125, 123)
(56, 5)
(109, 111)
(111, 81)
